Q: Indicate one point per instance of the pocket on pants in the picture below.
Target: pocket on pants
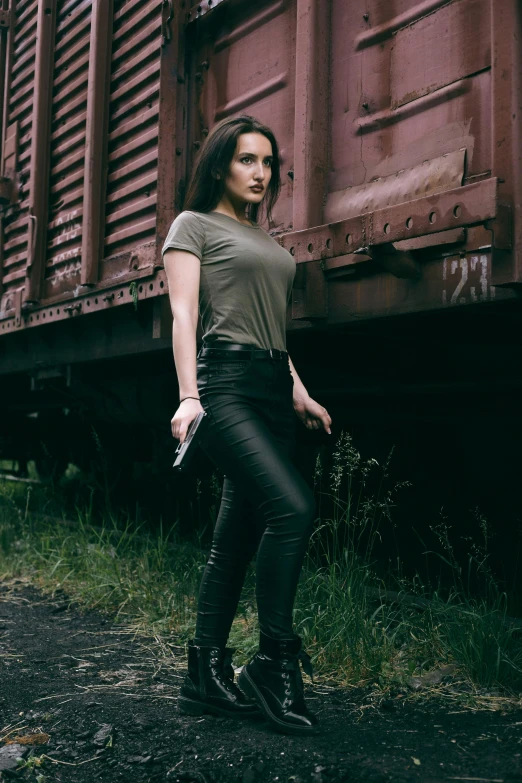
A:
(231, 369)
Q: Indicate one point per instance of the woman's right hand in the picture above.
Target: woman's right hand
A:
(184, 416)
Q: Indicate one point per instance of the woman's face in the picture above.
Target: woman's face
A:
(250, 169)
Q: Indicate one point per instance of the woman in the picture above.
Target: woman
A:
(217, 255)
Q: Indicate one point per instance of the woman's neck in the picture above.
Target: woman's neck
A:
(225, 207)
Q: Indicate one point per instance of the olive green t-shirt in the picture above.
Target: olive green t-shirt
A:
(246, 278)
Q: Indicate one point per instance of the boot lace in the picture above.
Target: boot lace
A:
(292, 679)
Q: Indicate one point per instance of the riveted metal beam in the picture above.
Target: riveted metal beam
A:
(132, 291)
(336, 249)
(466, 206)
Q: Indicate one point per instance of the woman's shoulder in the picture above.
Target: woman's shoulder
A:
(188, 216)
(189, 221)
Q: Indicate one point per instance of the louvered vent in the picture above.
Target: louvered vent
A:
(71, 66)
(20, 110)
(133, 126)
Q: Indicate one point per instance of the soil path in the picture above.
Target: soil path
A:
(108, 708)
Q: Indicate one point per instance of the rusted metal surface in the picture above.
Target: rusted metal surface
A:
(465, 206)
(506, 121)
(431, 176)
(171, 66)
(39, 172)
(95, 173)
(439, 49)
(6, 45)
(17, 147)
(199, 10)
(242, 61)
(398, 125)
(68, 146)
(456, 281)
(124, 292)
(378, 29)
(311, 112)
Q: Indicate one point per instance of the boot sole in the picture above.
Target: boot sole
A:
(250, 689)
(197, 708)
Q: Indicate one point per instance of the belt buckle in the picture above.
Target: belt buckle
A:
(271, 353)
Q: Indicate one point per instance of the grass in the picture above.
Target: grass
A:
(360, 625)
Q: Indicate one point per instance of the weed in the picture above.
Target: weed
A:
(360, 623)
(133, 291)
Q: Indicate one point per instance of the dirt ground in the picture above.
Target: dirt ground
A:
(82, 700)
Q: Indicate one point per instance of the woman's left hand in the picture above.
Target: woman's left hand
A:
(313, 415)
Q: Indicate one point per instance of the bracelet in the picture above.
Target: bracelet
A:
(188, 398)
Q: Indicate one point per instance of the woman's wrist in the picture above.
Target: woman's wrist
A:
(300, 397)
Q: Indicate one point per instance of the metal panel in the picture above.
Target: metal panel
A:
(440, 49)
(242, 59)
(133, 129)
(71, 68)
(371, 136)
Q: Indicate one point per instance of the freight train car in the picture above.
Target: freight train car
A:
(399, 124)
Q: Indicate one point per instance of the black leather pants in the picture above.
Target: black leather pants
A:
(266, 505)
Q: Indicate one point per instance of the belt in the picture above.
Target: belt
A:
(239, 350)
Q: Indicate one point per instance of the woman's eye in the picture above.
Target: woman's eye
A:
(248, 160)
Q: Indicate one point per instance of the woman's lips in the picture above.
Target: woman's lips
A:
(257, 188)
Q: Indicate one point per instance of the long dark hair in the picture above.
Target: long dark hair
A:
(205, 191)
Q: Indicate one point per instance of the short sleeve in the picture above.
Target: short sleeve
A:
(186, 233)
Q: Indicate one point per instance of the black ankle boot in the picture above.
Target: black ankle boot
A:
(273, 679)
(209, 685)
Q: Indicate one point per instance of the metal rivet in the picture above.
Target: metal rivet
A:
(366, 17)
(179, 151)
(365, 106)
(291, 174)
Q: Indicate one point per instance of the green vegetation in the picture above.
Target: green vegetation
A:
(359, 625)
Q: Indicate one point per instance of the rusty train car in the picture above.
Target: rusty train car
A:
(399, 124)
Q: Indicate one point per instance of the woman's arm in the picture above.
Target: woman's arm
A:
(313, 415)
(183, 271)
